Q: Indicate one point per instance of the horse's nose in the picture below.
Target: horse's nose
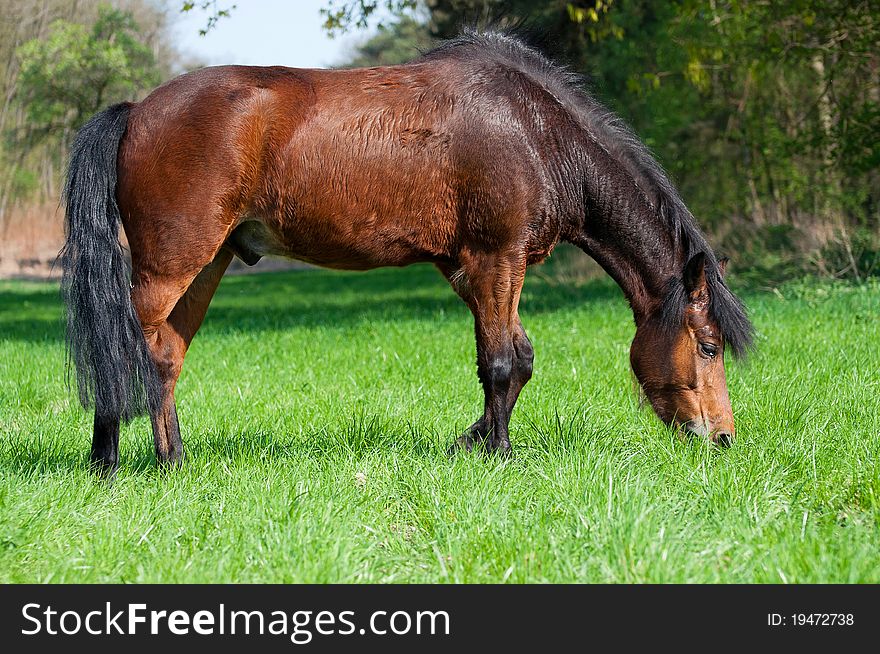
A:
(722, 436)
(696, 428)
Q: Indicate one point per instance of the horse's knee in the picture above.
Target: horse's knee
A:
(166, 351)
(501, 369)
(497, 369)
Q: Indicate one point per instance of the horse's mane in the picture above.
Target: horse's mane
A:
(615, 136)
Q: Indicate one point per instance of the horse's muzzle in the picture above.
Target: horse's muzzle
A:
(722, 436)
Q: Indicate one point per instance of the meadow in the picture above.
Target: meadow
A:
(317, 408)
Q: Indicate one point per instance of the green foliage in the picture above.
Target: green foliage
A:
(22, 182)
(343, 15)
(326, 463)
(215, 12)
(565, 29)
(57, 62)
(853, 253)
(78, 70)
(396, 43)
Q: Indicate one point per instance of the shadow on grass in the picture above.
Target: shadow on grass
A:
(307, 298)
(266, 302)
(356, 438)
(349, 440)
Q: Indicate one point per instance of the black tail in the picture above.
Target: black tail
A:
(114, 370)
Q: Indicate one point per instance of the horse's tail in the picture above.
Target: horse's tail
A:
(105, 342)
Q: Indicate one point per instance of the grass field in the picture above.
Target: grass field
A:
(317, 407)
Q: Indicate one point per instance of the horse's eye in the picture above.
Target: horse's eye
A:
(709, 349)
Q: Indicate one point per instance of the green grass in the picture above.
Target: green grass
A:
(317, 408)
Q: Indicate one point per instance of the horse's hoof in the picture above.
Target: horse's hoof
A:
(171, 461)
(468, 443)
(103, 468)
(502, 449)
(464, 442)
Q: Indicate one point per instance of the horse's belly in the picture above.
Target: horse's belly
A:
(357, 245)
(342, 200)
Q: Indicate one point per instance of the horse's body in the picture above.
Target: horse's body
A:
(350, 169)
(479, 157)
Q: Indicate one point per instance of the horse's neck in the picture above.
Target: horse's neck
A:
(634, 246)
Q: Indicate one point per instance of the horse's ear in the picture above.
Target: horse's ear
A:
(722, 266)
(694, 277)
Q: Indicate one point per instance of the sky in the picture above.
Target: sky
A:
(264, 33)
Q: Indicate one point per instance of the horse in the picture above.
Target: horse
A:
(478, 156)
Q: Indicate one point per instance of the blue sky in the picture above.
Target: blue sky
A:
(264, 33)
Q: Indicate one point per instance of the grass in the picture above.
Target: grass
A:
(317, 407)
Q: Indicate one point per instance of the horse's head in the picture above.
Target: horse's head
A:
(678, 353)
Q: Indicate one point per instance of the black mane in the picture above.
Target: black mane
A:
(615, 136)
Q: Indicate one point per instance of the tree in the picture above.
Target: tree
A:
(343, 15)
(396, 43)
(78, 70)
(339, 15)
(215, 12)
(41, 59)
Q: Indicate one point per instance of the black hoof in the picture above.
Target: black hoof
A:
(171, 460)
(503, 449)
(465, 443)
(103, 467)
(470, 443)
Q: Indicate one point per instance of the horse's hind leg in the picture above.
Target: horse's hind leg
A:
(105, 443)
(171, 319)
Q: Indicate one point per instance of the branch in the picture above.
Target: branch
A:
(216, 13)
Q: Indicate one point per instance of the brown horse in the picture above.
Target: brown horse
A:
(479, 157)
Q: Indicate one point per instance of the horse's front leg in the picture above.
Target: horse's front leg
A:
(491, 287)
(495, 360)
